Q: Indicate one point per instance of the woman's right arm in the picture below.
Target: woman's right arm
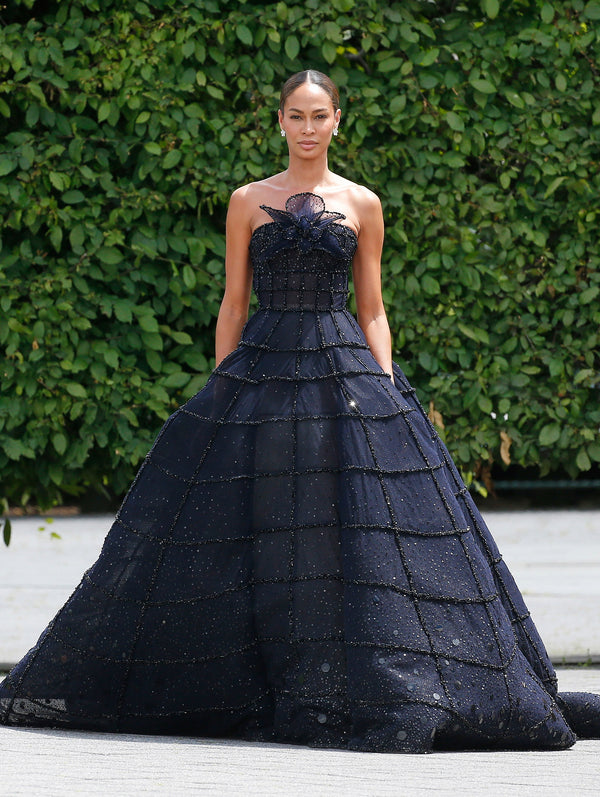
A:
(233, 313)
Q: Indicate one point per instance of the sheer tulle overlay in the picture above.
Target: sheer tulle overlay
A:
(298, 559)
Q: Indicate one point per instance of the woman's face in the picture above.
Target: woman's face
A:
(309, 119)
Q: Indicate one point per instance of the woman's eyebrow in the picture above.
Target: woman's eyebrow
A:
(317, 110)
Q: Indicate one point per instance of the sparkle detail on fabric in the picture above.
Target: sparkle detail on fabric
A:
(298, 559)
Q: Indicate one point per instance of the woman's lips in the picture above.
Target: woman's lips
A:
(308, 144)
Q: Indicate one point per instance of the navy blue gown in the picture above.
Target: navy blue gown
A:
(298, 559)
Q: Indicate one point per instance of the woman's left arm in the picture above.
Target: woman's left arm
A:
(366, 273)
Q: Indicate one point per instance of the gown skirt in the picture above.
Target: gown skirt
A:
(298, 559)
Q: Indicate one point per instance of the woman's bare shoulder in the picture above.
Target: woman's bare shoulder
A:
(246, 200)
(364, 198)
(243, 195)
(364, 206)
(256, 191)
(359, 197)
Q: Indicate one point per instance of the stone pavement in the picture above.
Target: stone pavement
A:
(555, 557)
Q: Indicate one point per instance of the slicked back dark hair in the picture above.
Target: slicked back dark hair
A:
(310, 76)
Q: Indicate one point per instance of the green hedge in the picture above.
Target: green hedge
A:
(124, 128)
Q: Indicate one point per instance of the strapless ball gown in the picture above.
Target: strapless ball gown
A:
(298, 559)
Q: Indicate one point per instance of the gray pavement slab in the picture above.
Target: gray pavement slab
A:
(555, 559)
(554, 556)
(57, 763)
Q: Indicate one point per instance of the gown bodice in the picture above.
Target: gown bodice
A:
(301, 258)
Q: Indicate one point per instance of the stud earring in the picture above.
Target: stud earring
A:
(282, 132)
(335, 131)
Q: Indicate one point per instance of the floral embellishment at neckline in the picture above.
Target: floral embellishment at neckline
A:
(305, 225)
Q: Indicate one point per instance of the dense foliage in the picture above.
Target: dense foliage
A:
(125, 126)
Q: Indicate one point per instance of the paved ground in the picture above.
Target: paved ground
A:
(555, 557)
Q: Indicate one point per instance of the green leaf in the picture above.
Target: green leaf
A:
(215, 92)
(109, 255)
(398, 104)
(454, 121)
(426, 361)
(592, 10)
(408, 34)
(514, 99)
(583, 375)
(73, 197)
(103, 110)
(153, 148)
(390, 64)
(6, 530)
(329, 51)
(70, 43)
(485, 404)
(467, 331)
(471, 394)
(32, 115)
(59, 181)
(429, 57)
(582, 460)
(4, 109)
(123, 310)
(491, 8)
(482, 85)
(56, 236)
(430, 285)
(59, 441)
(549, 434)
(76, 390)
(171, 159)
(561, 82)
(153, 341)
(593, 451)
(148, 323)
(182, 338)
(7, 164)
(292, 47)
(226, 136)
(111, 357)
(547, 13)
(553, 186)
(36, 91)
(77, 236)
(13, 449)
(189, 277)
(177, 379)
(154, 360)
(244, 34)
(589, 294)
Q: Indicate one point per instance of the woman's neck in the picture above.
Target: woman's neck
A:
(304, 175)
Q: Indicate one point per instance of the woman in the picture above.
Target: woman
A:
(298, 559)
